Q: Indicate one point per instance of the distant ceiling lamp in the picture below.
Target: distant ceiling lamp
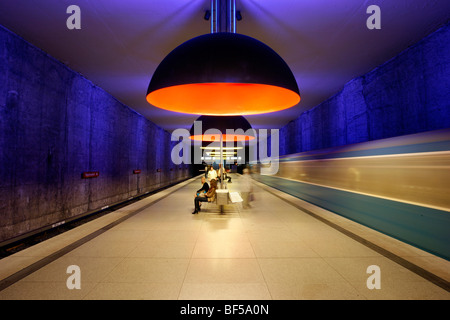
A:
(222, 123)
(223, 73)
(224, 153)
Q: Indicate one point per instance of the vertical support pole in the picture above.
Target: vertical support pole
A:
(231, 16)
(223, 16)
(221, 168)
(221, 161)
(213, 16)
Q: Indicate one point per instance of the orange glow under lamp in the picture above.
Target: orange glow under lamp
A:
(223, 98)
(225, 137)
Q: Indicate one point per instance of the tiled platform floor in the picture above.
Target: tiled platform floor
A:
(271, 251)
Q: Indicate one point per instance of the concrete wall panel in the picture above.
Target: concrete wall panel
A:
(408, 94)
(55, 125)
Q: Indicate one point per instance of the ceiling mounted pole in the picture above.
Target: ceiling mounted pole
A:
(223, 16)
(213, 16)
(221, 167)
(232, 15)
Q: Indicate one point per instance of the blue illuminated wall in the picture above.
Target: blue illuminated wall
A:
(55, 125)
(408, 94)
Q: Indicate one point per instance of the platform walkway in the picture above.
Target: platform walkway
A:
(157, 249)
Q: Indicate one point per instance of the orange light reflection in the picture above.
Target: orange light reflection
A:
(223, 98)
(225, 137)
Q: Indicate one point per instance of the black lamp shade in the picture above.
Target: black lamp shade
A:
(223, 74)
(223, 123)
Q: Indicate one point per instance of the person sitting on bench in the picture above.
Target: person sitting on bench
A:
(204, 188)
(207, 197)
(212, 174)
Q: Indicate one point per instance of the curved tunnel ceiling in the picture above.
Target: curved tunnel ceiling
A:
(325, 43)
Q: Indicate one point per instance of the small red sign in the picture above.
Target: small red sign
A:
(137, 171)
(158, 170)
(90, 174)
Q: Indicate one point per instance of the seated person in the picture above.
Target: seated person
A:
(204, 188)
(219, 173)
(212, 174)
(208, 196)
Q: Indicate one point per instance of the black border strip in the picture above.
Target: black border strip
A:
(444, 284)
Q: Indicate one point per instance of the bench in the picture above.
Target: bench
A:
(224, 196)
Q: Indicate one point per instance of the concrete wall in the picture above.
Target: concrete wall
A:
(55, 125)
(408, 94)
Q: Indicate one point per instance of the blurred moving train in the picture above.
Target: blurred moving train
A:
(399, 186)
